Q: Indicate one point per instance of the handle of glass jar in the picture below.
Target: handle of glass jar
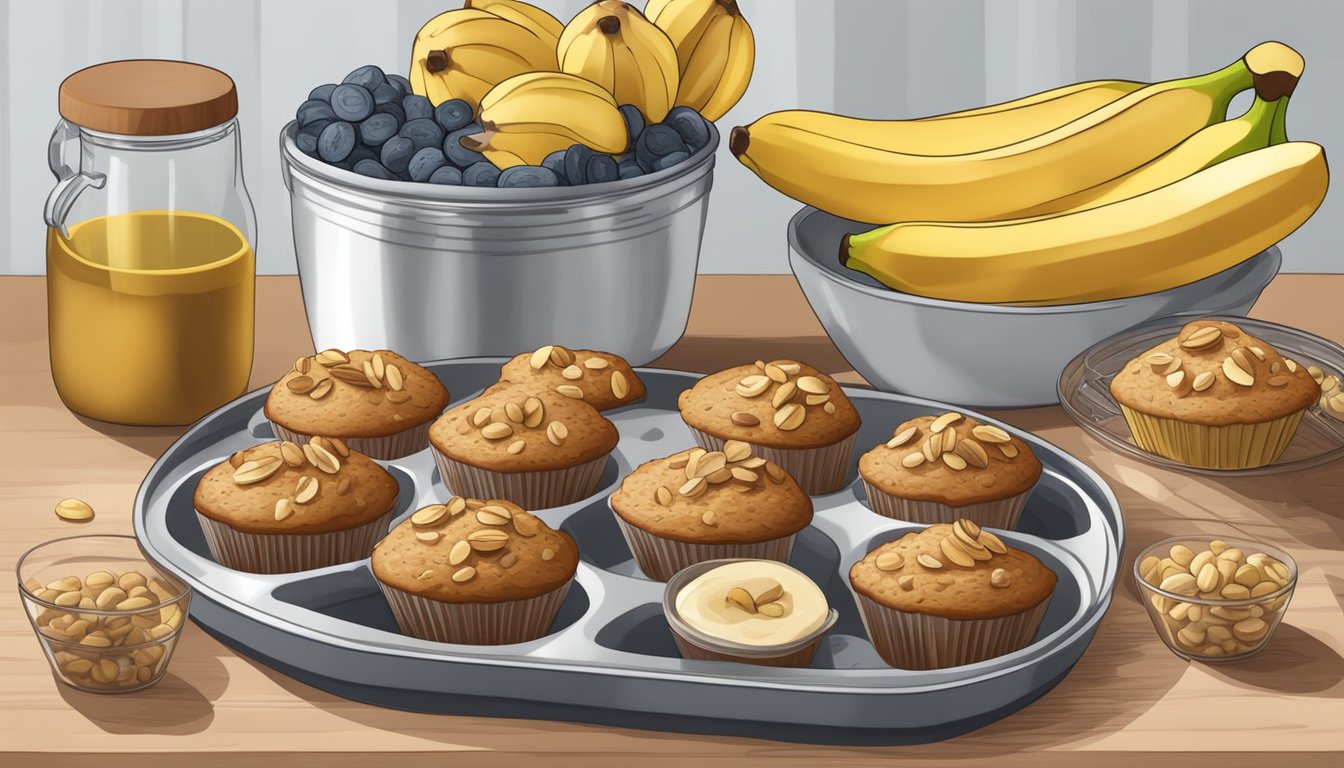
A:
(63, 154)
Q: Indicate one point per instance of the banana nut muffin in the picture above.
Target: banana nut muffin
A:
(1214, 396)
(378, 402)
(600, 379)
(475, 571)
(703, 505)
(789, 412)
(936, 469)
(949, 595)
(538, 450)
(280, 507)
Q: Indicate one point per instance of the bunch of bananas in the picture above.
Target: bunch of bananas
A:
(1093, 191)
(695, 53)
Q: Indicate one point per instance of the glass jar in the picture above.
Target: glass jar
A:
(150, 263)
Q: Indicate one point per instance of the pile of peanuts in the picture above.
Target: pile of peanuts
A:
(101, 651)
(1220, 572)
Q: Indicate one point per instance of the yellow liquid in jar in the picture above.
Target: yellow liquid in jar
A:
(150, 315)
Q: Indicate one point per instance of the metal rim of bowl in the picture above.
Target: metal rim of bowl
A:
(796, 249)
(425, 193)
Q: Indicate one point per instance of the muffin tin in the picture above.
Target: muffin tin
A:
(610, 657)
(1085, 392)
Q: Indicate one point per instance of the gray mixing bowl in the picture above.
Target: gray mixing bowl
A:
(986, 355)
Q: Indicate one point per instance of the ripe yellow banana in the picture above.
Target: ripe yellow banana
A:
(1168, 237)
(716, 51)
(1085, 97)
(855, 180)
(542, 24)
(611, 43)
(530, 116)
(462, 54)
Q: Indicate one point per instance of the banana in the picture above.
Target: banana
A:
(612, 44)
(1089, 95)
(716, 51)
(542, 24)
(855, 180)
(530, 116)
(462, 54)
(1171, 236)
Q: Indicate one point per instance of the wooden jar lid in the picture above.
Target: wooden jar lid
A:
(148, 97)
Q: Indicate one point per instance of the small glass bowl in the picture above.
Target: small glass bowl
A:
(1206, 625)
(106, 618)
(694, 644)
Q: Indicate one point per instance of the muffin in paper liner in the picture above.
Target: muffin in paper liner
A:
(908, 640)
(496, 623)
(990, 514)
(660, 558)
(386, 448)
(539, 489)
(818, 471)
(290, 552)
(1233, 446)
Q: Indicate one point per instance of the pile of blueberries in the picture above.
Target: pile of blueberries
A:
(374, 125)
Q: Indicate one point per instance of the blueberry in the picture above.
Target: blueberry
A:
(387, 93)
(425, 162)
(658, 141)
(369, 76)
(424, 132)
(417, 106)
(689, 125)
(396, 153)
(336, 142)
(394, 110)
(634, 122)
(377, 129)
(306, 138)
(322, 92)
(453, 114)
(667, 161)
(602, 168)
(528, 176)
(373, 169)
(351, 102)
(481, 174)
(458, 154)
(402, 83)
(446, 174)
(360, 153)
(556, 162)
(313, 110)
(576, 164)
(630, 170)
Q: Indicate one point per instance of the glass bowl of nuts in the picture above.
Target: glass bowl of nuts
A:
(1215, 600)
(106, 618)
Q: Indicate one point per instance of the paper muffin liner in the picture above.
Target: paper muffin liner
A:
(395, 446)
(660, 558)
(1234, 446)
(290, 552)
(818, 471)
(907, 640)
(1001, 513)
(499, 623)
(799, 658)
(541, 489)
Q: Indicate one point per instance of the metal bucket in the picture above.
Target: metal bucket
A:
(436, 272)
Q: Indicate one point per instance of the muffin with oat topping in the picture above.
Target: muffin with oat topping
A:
(1215, 397)
(703, 505)
(379, 403)
(790, 413)
(600, 379)
(280, 507)
(950, 595)
(936, 469)
(538, 450)
(474, 571)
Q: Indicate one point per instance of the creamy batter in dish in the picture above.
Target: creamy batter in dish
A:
(759, 603)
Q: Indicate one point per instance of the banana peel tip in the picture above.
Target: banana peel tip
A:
(739, 140)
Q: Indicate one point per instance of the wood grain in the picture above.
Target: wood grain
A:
(1128, 700)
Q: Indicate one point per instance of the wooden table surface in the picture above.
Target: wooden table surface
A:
(1128, 700)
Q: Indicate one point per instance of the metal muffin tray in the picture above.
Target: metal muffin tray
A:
(1085, 392)
(610, 657)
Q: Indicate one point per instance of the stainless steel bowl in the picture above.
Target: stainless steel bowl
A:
(986, 355)
(441, 272)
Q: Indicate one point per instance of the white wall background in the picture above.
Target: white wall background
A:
(874, 58)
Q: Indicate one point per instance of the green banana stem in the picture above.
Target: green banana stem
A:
(1278, 131)
(1221, 86)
